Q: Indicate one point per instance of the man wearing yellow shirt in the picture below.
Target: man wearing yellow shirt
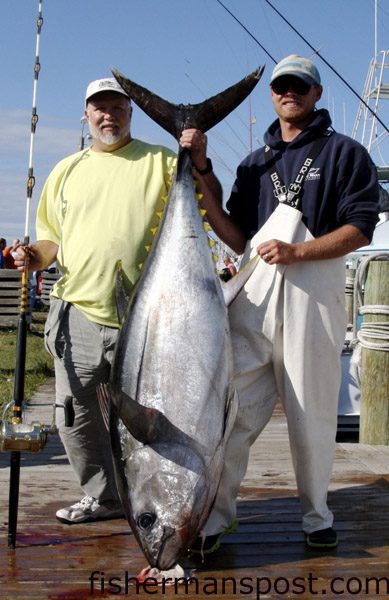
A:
(99, 206)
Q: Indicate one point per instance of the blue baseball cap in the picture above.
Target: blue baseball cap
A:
(300, 67)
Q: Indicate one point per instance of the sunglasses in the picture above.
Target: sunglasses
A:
(283, 84)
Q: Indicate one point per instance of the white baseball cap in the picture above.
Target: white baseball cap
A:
(108, 84)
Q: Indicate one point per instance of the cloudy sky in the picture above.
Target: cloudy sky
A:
(184, 50)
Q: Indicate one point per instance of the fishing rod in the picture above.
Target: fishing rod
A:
(330, 66)
(246, 30)
(312, 48)
(14, 434)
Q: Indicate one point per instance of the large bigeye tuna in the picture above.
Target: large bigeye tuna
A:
(170, 399)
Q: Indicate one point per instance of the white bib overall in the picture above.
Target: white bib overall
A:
(288, 327)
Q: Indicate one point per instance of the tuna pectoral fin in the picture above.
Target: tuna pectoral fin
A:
(122, 297)
(232, 287)
(103, 398)
(176, 117)
(150, 426)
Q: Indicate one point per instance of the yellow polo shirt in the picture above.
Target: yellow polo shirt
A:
(101, 207)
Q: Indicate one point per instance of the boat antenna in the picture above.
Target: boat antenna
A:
(328, 65)
(20, 361)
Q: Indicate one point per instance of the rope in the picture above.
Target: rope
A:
(377, 330)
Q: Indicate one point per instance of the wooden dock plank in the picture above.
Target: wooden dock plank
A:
(54, 561)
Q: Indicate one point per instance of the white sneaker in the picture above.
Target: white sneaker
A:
(87, 509)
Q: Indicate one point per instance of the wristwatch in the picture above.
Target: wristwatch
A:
(207, 169)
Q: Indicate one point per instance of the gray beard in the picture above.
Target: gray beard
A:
(107, 138)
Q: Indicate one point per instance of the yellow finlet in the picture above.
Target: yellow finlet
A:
(154, 230)
(211, 243)
(159, 214)
(200, 196)
(148, 247)
(164, 199)
(140, 265)
(203, 212)
(207, 226)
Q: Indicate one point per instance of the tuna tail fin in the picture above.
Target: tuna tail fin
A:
(177, 117)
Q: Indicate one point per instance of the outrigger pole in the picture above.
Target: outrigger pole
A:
(22, 323)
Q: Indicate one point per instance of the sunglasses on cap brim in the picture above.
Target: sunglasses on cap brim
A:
(283, 84)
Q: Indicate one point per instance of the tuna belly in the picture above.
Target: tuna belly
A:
(186, 371)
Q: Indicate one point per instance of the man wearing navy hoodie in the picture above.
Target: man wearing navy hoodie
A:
(302, 202)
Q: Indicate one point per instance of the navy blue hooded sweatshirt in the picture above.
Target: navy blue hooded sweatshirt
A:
(340, 188)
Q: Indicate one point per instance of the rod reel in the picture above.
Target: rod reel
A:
(21, 437)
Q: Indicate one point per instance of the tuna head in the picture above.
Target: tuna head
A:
(166, 501)
(163, 487)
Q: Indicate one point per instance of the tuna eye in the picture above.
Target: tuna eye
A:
(146, 520)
